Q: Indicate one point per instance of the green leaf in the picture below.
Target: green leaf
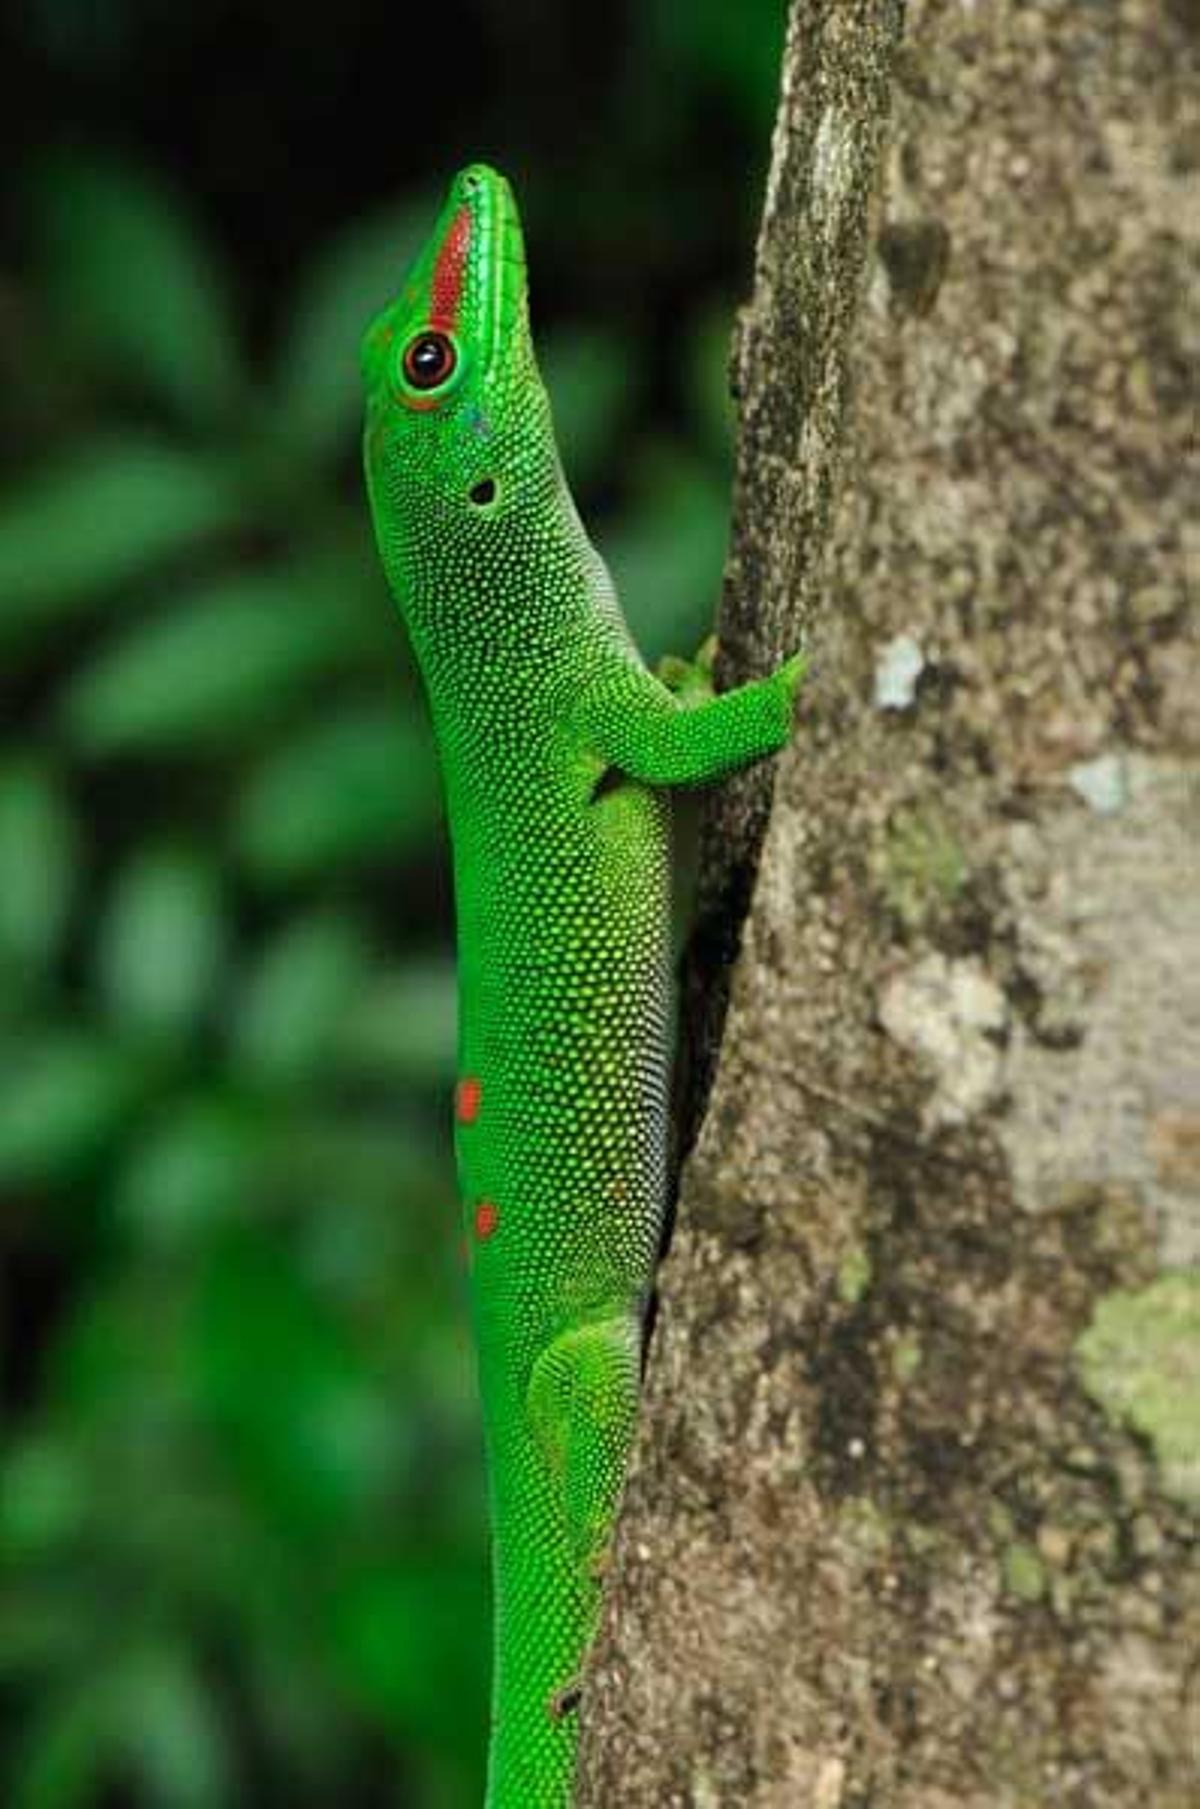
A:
(294, 999)
(735, 50)
(318, 391)
(310, 1429)
(200, 1165)
(162, 942)
(218, 662)
(43, 1497)
(358, 787)
(63, 1748)
(374, 1157)
(99, 518)
(116, 1370)
(409, 1638)
(46, 1621)
(145, 1713)
(38, 859)
(404, 1026)
(168, 1730)
(666, 554)
(592, 386)
(65, 1097)
(130, 281)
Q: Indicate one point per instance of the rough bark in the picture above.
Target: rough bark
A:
(912, 1518)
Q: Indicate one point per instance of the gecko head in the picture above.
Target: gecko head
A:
(458, 438)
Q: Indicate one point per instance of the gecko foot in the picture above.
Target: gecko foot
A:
(690, 680)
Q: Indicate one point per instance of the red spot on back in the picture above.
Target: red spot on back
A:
(449, 273)
(487, 1217)
(467, 1098)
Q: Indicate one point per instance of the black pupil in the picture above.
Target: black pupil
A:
(430, 360)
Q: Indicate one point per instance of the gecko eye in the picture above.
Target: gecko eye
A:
(429, 360)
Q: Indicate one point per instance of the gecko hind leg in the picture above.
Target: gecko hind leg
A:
(582, 1405)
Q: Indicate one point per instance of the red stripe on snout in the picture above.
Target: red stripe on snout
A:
(449, 273)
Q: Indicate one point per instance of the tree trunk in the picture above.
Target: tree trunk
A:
(911, 1520)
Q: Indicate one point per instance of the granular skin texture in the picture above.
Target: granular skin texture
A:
(557, 747)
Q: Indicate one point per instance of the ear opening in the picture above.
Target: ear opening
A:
(483, 492)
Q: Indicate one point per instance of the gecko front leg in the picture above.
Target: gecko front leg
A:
(644, 730)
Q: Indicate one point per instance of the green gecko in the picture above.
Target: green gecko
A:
(558, 748)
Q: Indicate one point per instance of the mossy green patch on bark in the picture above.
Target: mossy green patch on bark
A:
(924, 865)
(853, 1276)
(906, 1358)
(864, 1527)
(1023, 1571)
(1140, 1358)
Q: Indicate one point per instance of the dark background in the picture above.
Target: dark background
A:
(242, 1542)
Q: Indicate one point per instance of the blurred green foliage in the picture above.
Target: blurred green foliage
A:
(242, 1532)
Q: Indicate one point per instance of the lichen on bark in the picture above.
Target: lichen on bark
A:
(911, 1520)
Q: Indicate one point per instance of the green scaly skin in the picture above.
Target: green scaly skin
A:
(557, 748)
